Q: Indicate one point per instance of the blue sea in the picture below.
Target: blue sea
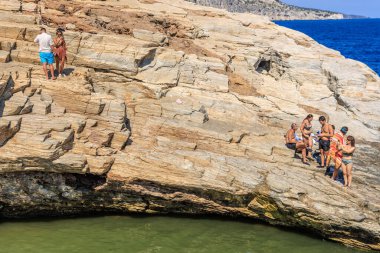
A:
(358, 39)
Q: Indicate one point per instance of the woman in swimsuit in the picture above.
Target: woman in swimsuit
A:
(348, 152)
(306, 132)
(60, 51)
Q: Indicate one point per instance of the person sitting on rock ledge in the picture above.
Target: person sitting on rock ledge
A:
(295, 143)
(45, 50)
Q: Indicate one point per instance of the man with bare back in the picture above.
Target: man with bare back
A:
(293, 142)
(324, 139)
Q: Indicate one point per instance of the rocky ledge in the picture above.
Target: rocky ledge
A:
(169, 107)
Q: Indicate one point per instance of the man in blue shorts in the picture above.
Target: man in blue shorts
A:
(46, 55)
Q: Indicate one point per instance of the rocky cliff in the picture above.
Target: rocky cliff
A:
(274, 9)
(169, 107)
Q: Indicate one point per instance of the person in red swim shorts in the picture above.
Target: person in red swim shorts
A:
(335, 153)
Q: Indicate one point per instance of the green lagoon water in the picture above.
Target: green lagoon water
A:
(126, 234)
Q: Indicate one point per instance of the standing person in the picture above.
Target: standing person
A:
(336, 154)
(328, 160)
(295, 143)
(348, 152)
(45, 50)
(60, 51)
(306, 132)
(324, 139)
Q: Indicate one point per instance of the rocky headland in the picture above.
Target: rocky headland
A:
(274, 9)
(170, 107)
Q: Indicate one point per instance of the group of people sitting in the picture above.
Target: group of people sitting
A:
(333, 146)
(52, 49)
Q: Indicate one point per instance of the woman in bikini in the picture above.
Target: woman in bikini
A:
(306, 132)
(60, 51)
(348, 152)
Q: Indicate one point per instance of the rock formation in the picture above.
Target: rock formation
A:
(274, 9)
(169, 107)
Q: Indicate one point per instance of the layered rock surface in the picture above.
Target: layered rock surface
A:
(169, 107)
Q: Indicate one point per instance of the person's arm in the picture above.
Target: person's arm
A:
(64, 44)
(37, 39)
(51, 43)
(302, 127)
(331, 131)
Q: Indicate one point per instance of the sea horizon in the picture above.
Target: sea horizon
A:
(356, 39)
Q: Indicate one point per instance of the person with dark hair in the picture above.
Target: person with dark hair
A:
(348, 152)
(306, 132)
(295, 143)
(328, 160)
(45, 51)
(60, 51)
(324, 139)
(336, 154)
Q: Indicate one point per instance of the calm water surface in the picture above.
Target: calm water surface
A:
(127, 234)
(358, 39)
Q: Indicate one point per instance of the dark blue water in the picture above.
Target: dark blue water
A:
(358, 39)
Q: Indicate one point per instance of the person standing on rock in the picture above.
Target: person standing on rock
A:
(60, 51)
(328, 160)
(295, 143)
(306, 132)
(45, 42)
(336, 154)
(348, 152)
(324, 139)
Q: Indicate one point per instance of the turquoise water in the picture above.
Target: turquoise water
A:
(357, 39)
(155, 235)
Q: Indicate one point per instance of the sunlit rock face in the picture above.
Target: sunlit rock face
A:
(170, 107)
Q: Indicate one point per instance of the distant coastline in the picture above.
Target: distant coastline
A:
(275, 10)
(337, 19)
(350, 16)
